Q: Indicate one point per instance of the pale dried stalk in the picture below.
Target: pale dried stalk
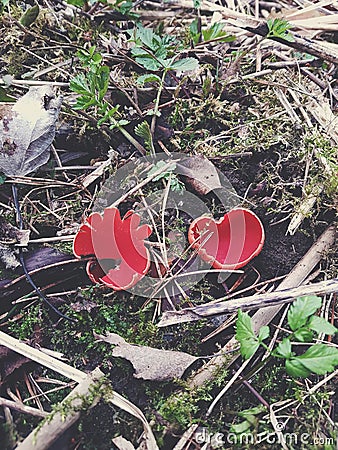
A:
(278, 297)
(41, 358)
(81, 377)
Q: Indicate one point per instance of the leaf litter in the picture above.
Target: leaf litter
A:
(150, 363)
(227, 75)
(27, 130)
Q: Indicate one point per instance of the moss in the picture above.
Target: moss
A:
(25, 328)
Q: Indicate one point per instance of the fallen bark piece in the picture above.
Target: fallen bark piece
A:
(249, 303)
(149, 363)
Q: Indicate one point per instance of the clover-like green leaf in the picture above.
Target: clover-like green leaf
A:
(319, 359)
(320, 325)
(245, 335)
(301, 309)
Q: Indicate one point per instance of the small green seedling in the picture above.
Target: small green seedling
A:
(213, 33)
(175, 184)
(303, 324)
(92, 86)
(279, 28)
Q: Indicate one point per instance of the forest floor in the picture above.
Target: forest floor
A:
(169, 108)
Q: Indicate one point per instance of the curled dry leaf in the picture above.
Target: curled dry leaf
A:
(122, 444)
(200, 174)
(10, 235)
(149, 363)
(9, 363)
(27, 130)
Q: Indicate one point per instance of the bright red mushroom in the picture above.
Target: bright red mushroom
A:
(230, 242)
(119, 257)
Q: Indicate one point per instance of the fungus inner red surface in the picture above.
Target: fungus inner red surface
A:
(232, 240)
(121, 257)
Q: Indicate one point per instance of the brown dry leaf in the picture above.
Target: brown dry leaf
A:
(122, 444)
(9, 363)
(10, 235)
(27, 130)
(201, 174)
(149, 363)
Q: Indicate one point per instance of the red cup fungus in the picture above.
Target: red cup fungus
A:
(230, 242)
(116, 248)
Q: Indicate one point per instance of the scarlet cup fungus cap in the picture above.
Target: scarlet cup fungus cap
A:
(116, 248)
(230, 242)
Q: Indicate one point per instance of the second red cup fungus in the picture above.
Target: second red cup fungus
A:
(230, 242)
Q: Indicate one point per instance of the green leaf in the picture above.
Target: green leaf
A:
(4, 97)
(103, 81)
(279, 28)
(320, 325)
(158, 166)
(252, 411)
(240, 428)
(185, 64)
(303, 335)
(216, 32)
(319, 359)
(84, 102)
(264, 333)
(245, 335)
(296, 369)
(148, 62)
(79, 84)
(96, 58)
(143, 130)
(148, 78)
(30, 16)
(152, 112)
(197, 4)
(301, 309)
(283, 349)
(147, 37)
(194, 31)
(123, 122)
(78, 3)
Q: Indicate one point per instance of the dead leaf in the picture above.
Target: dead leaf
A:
(122, 444)
(201, 174)
(83, 305)
(149, 363)
(27, 130)
(9, 363)
(10, 235)
(8, 257)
